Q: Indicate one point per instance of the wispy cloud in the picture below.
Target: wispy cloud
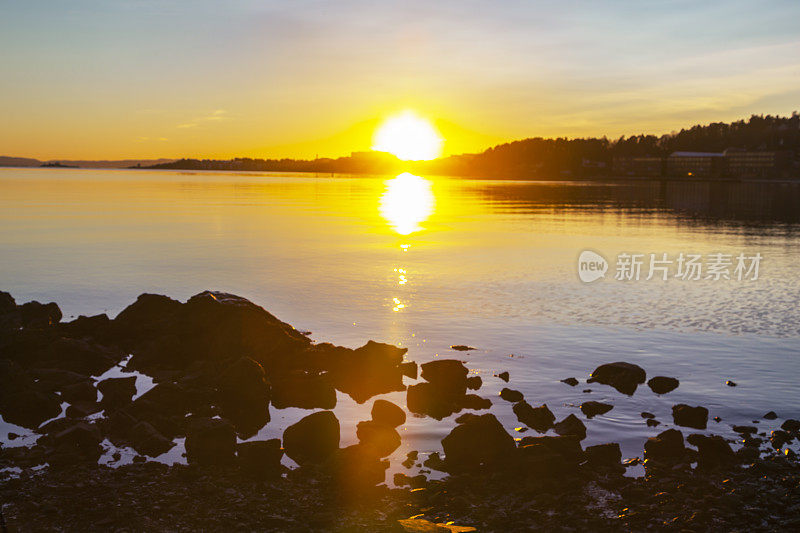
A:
(149, 139)
(216, 115)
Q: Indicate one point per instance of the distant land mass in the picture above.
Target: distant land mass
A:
(7, 161)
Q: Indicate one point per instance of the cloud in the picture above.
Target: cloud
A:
(216, 115)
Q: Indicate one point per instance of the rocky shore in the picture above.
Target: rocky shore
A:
(217, 364)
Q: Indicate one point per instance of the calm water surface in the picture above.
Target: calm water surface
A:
(429, 262)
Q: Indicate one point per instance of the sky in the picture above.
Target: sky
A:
(147, 79)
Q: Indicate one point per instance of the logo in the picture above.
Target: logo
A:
(591, 266)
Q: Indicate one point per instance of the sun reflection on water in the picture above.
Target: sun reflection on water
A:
(407, 202)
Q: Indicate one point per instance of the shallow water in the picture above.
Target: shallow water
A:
(429, 262)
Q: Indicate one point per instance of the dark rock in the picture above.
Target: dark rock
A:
(210, 441)
(313, 439)
(408, 369)
(426, 399)
(730, 383)
(745, 429)
(356, 469)
(662, 384)
(713, 451)
(571, 425)
(385, 412)
(717, 419)
(79, 440)
(592, 409)
(565, 446)
(146, 440)
(645, 414)
(78, 355)
(53, 379)
(624, 377)
(770, 416)
(791, 425)
(475, 402)
(448, 375)
(570, 381)
(474, 382)
(779, 438)
(747, 454)
(372, 369)
(504, 376)
(305, 390)
(376, 438)
(479, 440)
(260, 459)
(244, 396)
(82, 409)
(22, 401)
(652, 423)
(37, 315)
(83, 391)
(461, 348)
(604, 455)
(666, 446)
(435, 462)
(96, 326)
(415, 482)
(117, 392)
(165, 406)
(539, 418)
(692, 417)
(511, 395)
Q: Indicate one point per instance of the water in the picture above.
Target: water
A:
(430, 262)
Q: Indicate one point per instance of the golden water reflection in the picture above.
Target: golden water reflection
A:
(407, 202)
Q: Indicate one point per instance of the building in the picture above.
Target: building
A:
(695, 165)
(639, 167)
(744, 164)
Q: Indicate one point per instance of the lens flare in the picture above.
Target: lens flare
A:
(408, 137)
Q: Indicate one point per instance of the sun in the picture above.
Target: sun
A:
(409, 137)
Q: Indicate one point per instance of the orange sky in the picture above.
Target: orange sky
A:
(146, 79)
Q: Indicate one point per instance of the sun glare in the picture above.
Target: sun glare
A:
(407, 201)
(409, 137)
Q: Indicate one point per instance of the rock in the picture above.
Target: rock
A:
(313, 439)
(117, 392)
(146, 440)
(22, 401)
(426, 399)
(435, 462)
(652, 423)
(82, 409)
(717, 419)
(539, 418)
(511, 395)
(770, 416)
(83, 391)
(666, 446)
(692, 417)
(479, 440)
(408, 369)
(165, 406)
(415, 482)
(504, 376)
(475, 402)
(570, 381)
(571, 425)
(78, 355)
(305, 390)
(210, 441)
(372, 369)
(474, 382)
(79, 440)
(244, 396)
(96, 326)
(730, 383)
(53, 379)
(356, 469)
(604, 455)
(791, 425)
(662, 384)
(461, 347)
(385, 412)
(745, 429)
(448, 375)
(713, 451)
(645, 414)
(37, 315)
(378, 439)
(592, 409)
(779, 438)
(747, 454)
(625, 377)
(260, 459)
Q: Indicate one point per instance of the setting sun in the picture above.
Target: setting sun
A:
(409, 137)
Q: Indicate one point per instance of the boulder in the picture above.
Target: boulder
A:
(474, 382)
(448, 375)
(662, 384)
(539, 418)
(475, 402)
(504, 376)
(511, 395)
(385, 412)
(427, 399)
(38, 315)
(305, 390)
(713, 451)
(313, 439)
(82, 409)
(692, 417)
(592, 408)
(791, 425)
(372, 369)
(570, 381)
(80, 440)
(22, 401)
(260, 459)
(81, 356)
(604, 455)
(244, 396)
(625, 377)
(779, 438)
(83, 391)
(770, 416)
(376, 438)
(146, 440)
(117, 392)
(566, 446)
(477, 440)
(666, 446)
(571, 425)
(53, 379)
(210, 441)
(415, 482)
(409, 369)
(355, 469)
